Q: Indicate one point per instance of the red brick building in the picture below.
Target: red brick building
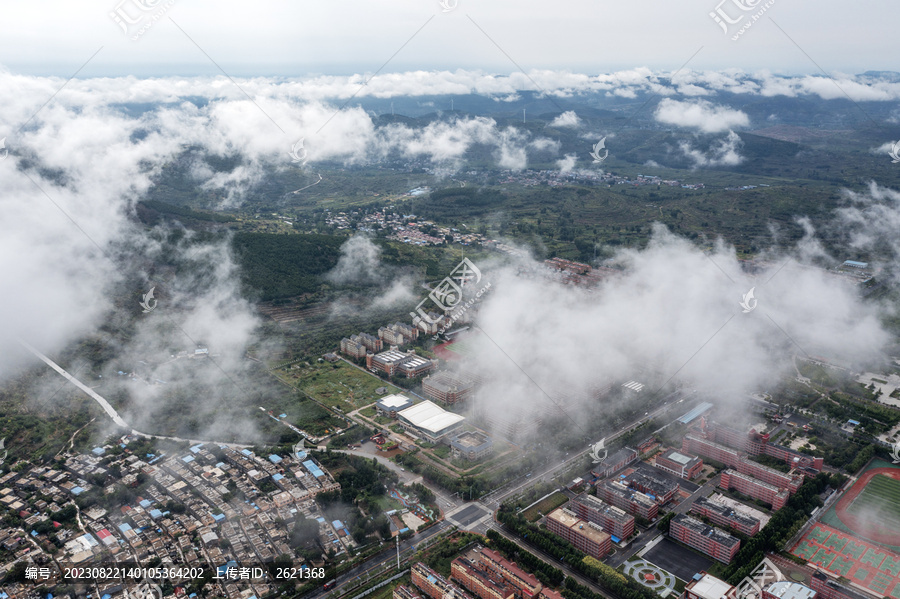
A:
(585, 536)
(755, 488)
(715, 543)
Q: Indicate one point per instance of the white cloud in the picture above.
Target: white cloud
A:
(725, 152)
(701, 114)
(566, 119)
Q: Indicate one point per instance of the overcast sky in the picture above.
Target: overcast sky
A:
(301, 37)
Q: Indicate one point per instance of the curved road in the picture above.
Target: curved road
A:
(111, 411)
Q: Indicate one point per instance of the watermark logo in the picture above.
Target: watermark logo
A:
(735, 16)
(600, 145)
(136, 17)
(596, 448)
(298, 153)
(449, 5)
(144, 590)
(3, 151)
(146, 299)
(748, 302)
(895, 452)
(448, 294)
(752, 586)
(894, 153)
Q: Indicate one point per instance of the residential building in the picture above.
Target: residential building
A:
(724, 515)
(679, 464)
(353, 349)
(480, 581)
(633, 502)
(525, 582)
(710, 540)
(612, 519)
(584, 535)
(615, 462)
(447, 388)
(433, 584)
(398, 334)
(657, 487)
(755, 488)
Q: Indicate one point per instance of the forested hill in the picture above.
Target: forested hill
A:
(280, 266)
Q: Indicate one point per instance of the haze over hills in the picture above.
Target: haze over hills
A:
(373, 287)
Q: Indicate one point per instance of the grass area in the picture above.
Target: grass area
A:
(545, 506)
(880, 500)
(336, 385)
(369, 412)
(387, 591)
(441, 451)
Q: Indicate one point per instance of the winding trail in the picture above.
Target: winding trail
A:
(111, 411)
(310, 185)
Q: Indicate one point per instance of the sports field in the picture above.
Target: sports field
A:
(866, 564)
(879, 501)
(870, 509)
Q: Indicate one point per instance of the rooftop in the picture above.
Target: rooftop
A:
(710, 587)
(431, 417)
(790, 590)
(394, 401)
(703, 529)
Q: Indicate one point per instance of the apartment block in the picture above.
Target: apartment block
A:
(612, 519)
(527, 584)
(710, 540)
(480, 581)
(679, 464)
(633, 502)
(725, 516)
(585, 536)
(755, 488)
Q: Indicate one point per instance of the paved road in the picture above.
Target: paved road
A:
(389, 554)
(555, 563)
(111, 411)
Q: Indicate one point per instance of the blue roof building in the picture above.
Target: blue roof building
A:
(275, 459)
(98, 451)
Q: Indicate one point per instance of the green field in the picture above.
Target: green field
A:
(880, 500)
(337, 385)
(545, 506)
